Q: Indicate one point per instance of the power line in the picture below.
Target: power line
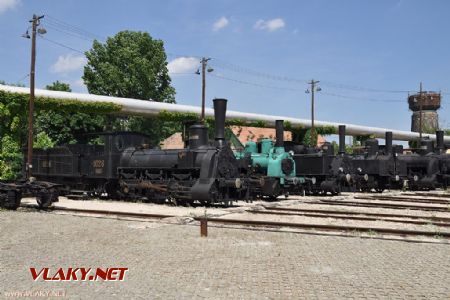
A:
(23, 78)
(254, 84)
(69, 33)
(81, 33)
(61, 45)
(361, 98)
(239, 69)
(363, 89)
(73, 28)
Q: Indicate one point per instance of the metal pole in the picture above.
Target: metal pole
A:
(35, 24)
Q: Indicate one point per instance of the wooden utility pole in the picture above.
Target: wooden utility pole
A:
(35, 23)
(420, 109)
(313, 89)
(204, 62)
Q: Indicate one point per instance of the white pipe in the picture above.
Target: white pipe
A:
(152, 108)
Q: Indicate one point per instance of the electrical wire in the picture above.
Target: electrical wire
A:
(60, 44)
(81, 33)
(252, 83)
(360, 98)
(64, 25)
(23, 78)
(69, 33)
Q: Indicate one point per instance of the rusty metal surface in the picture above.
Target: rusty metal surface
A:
(329, 227)
(340, 212)
(351, 217)
(403, 199)
(383, 205)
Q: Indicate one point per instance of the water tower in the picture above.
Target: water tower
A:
(424, 106)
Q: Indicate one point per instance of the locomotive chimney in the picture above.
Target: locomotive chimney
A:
(279, 131)
(341, 139)
(388, 143)
(220, 110)
(440, 140)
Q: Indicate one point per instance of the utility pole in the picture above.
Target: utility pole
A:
(420, 108)
(204, 62)
(35, 23)
(313, 90)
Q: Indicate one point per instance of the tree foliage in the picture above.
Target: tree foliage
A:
(65, 122)
(131, 64)
(59, 86)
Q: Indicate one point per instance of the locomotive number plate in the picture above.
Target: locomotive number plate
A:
(98, 163)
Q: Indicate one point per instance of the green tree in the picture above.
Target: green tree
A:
(59, 86)
(132, 65)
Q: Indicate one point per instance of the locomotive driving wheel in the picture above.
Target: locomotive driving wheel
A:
(45, 198)
(11, 200)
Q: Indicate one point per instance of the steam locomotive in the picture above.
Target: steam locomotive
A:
(272, 169)
(124, 167)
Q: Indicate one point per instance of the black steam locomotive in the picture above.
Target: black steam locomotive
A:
(124, 167)
(204, 172)
(378, 168)
(121, 165)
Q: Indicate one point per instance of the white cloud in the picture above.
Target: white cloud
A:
(269, 25)
(220, 23)
(183, 65)
(8, 4)
(68, 63)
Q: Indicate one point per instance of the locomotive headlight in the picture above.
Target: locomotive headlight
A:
(238, 183)
(366, 177)
(416, 178)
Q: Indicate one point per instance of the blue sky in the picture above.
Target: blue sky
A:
(363, 52)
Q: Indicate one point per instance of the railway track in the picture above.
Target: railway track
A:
(337, 212)
(404, 199)
(381, 205)
(427, 194)
(339, 229)
(358, 217)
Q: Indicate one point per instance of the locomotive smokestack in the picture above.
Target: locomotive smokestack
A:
(220, 110)
(279, 131)
(440, 140)
(388, 143)
(341, 139)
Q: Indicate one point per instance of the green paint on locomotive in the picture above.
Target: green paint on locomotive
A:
(269, 159)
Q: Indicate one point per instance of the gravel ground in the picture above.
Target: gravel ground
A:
(169, 261)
